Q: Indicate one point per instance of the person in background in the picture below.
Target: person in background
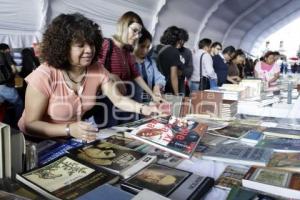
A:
(8, 92)
(215, 49)
(168, 58)
(117, 56)
(147, 68)
(29, 62)
(203, 59)
(220, 64)
(187, 60)
(65, 85)
(233, 70)
(267, 70)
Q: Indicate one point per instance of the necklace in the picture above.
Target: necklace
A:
(76, 82)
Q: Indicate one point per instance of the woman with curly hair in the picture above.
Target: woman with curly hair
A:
(64, 87)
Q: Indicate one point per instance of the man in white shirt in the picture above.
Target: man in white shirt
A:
(207, 67)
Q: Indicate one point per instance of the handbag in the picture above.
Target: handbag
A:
(204, 81)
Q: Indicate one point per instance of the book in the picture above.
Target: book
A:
(163, 157)
(252, 137)
(5, 151)
(233, 131)
(126, 142)
(280, 144)
(185, 107)
(157, 178)
(273, 181)
(212, 124)
(114, 158)
(175, 103)
(231, 177)
(209, 103)
(175, 135)
(106, 191)
(127, 127)
(282, 132)
(148, 195)
(65, 178)
(10, 196)
(287, 161)
(174, 183)
(240, 154)
(240, 193)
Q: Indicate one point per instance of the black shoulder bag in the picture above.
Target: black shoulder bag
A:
(204, 81)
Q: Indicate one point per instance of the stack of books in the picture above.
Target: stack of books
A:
(229, 109)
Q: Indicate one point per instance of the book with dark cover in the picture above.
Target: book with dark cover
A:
(155, 177)
(106, 191)
(240, 154)
(240, 193)
(231, 177)
(193, 188)
(274, 181)
(112, 157)
(280, 144)
(65, 178)
(175, 135)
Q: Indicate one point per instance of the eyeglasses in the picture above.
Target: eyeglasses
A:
(136, 31)
(219, 49)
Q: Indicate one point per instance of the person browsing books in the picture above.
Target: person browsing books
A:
(64, 87)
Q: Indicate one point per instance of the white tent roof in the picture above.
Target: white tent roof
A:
(243, 24)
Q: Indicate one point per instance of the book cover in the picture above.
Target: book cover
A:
(176, 135)
(113, 157)
(240, 154)
(155, 177)
(280, 144)
(65, 178)
(124, 141)
(282, 132)
(252, 137)
(10, 196)
(239, 193)
(204, 102)
(106, 191)
(148, 195)
(274, 181)
(233, 131)
(231, 177)
(163, 157)
(289, 161)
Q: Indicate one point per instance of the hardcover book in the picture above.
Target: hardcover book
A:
(240, 193)
(287, 161)
(252, 137)
(240, 154)
(273, 181)
(65, 178)
(231, 177)
(155, 177)
(112, 157)
(176, 135)
(280, 144)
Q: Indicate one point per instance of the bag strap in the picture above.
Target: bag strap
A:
(201, 75)
(107, 62)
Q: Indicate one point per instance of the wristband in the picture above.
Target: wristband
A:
(68, 130)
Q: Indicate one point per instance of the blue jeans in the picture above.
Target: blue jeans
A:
(11, 95)
(213, 84)
(194, 86)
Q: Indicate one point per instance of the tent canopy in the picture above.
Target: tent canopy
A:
(243, 24)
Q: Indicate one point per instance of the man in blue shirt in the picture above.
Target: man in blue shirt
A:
(147, 68)
(220, 64)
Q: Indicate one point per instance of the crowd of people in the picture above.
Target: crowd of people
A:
(86, 82)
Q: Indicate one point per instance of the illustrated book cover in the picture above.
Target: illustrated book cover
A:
(65, 178)
(280, 144)
(240, 154)
(231, 177)
(273, 181)
(112, 157)
(288, 161)
(176, 135)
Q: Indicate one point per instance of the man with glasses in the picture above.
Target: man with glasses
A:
(220, 64)
(215, 48)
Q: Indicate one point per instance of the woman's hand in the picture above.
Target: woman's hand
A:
(149, 110)
(83, 130)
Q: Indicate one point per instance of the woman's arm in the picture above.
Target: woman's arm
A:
(36, 105)
(124, 103)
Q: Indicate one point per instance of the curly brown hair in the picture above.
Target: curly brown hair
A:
(65, 29)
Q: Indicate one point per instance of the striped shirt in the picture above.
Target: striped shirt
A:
(122, 62)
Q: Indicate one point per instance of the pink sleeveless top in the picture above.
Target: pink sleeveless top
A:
(64, 105)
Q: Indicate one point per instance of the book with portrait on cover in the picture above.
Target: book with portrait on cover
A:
(114, 158)
(65, 178)
(176, 135)
(274, 181)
